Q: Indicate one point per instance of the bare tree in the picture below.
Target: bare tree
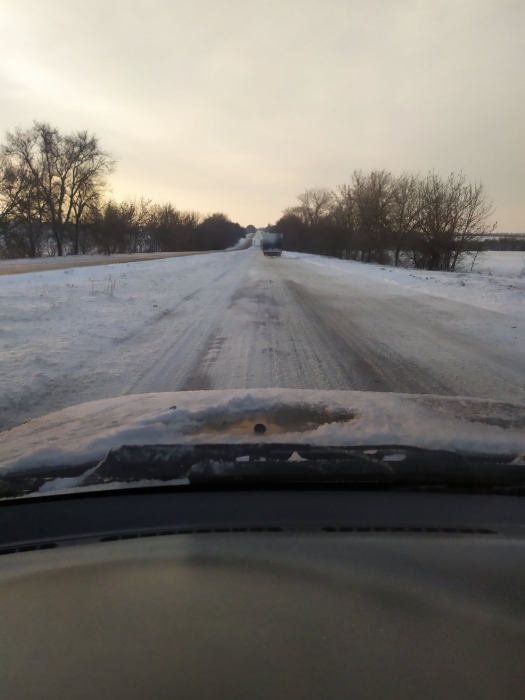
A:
(455, 215)
(474, 221)
(68, 172)
(344, 215)
(90, 168)
(436, 222)
(372, 195)
(21, 216)
(314, 204)
(12, 183)
(405, 211)
(125, 227)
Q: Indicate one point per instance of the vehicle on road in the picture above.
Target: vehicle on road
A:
(229, 477)
(272, 244)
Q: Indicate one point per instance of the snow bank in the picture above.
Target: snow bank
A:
(502, 263)
(49, 260)
(503, 292)
(61, 331)
(243, 243)
(240, 245)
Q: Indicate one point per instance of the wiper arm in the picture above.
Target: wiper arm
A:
(277, 463)
(289, 463)
(252, 464)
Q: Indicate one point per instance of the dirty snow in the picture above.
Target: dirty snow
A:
(86, 433)
(82, 334)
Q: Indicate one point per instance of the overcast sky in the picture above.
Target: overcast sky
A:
(237, 105)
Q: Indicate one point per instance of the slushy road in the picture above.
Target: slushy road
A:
(238, 320)
(286, 322)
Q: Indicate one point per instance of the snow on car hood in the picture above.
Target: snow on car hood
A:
(85, 433)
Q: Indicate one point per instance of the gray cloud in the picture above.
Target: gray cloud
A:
(223, 104)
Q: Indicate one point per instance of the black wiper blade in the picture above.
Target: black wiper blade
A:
(255, 462)
(292, 463)
(265, 464)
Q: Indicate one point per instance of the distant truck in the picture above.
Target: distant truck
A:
(272, 244)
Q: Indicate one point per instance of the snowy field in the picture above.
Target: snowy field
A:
(502, 263)
(61, 329)
(238, 320)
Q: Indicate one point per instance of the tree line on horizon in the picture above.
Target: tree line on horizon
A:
(430, 222)
(54, 201)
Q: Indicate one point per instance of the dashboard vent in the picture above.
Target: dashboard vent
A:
(28, 548)
(209, 530)
(195, 531)
(416, 530)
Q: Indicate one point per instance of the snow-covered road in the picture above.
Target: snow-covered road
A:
(240, 320)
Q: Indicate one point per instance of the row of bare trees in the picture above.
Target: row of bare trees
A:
(504, 241)
(53, 201)
(429, 222)
(141, 226)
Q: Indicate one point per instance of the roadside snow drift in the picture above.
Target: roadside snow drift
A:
(497, 282)
(67, 335)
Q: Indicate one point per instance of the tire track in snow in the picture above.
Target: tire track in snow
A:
(308, 328)
(180, 351)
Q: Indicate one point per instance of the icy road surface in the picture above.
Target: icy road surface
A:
(240, 320)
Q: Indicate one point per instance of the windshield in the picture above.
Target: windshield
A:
(280, 222)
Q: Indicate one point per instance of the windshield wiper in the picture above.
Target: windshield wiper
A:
(249, 465)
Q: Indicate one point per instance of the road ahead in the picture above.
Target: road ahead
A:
(290, 323)
(240, 320)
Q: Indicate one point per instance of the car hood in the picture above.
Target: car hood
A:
(85, 433)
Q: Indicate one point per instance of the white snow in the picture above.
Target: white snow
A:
(502, 263)
(81, 334)
(47, 261)
(71, 484)
(65, 482)
(496, 283)
(86, 433)
(240, 245)
(60, 330)
(26, 265)
(68, 259)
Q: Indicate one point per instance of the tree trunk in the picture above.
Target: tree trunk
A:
(75, 245)
(32, 246)
(60, 248)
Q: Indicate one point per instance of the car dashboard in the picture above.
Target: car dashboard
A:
(263, 593)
